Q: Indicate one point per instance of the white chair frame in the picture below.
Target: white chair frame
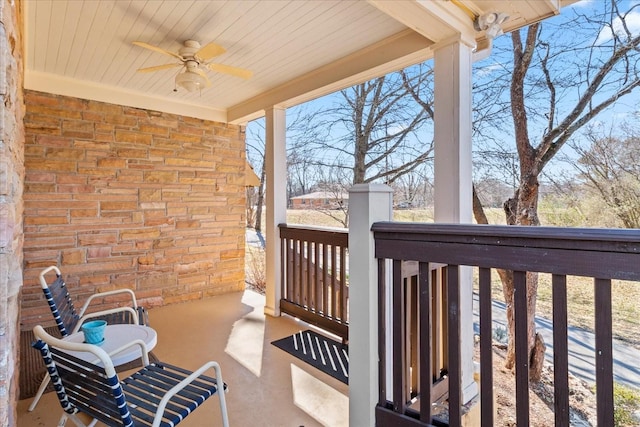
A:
(103, 360)
(82, 313)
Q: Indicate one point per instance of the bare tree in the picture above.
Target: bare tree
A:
(374, 132)
(379, 125)
(256, 155)
(300, 169)
(335, 182)
(610, 167)
(302, 172)
(557, 86)
(415, 188)
(492, 191)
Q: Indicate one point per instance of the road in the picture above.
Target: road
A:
(626, 363)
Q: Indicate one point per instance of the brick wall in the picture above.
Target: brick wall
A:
(11, 205)
(122, 197)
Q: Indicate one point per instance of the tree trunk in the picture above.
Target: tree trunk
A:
(536, 343)
(260, 201)
(251, 214)
(478, 210)
(522, 208)
(608, 77)
(536, 362)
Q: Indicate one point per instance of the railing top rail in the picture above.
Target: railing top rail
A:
(327, 235)
(340, 230)
(601, 253)
(609, 239)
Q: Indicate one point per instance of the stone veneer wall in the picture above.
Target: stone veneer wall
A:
(11, 204)
(123, 197)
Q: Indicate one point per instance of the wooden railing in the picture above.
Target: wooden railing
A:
(409, 275)
(601, 254)
(314, 276)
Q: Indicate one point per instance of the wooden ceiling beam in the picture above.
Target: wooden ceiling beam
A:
(436, 20)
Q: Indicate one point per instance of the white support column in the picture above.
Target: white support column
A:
(368, 203)
(453, 185)
(276, 196)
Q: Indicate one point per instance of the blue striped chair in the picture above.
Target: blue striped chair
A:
(69, 320)
(157, 395)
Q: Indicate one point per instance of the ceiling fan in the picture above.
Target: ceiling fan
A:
(194, 58)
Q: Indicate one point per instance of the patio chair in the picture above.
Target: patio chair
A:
(159, 394)
(69, 320)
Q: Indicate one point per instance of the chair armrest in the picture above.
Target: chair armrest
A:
(143, 350)
(182, 384)
(134, 303)
(133, 312)
(101, 356)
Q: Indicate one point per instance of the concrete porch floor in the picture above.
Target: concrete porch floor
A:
(267, 386)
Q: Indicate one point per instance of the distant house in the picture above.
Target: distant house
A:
(320, 200)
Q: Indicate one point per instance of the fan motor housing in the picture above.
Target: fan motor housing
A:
(189, 50)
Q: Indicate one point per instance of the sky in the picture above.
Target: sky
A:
(497, 64)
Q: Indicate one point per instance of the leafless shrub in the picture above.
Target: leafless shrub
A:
(255, 272)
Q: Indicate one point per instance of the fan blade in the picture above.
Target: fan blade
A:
(234, 71)
(158, 68)
(157, 49)
(203, 74)
(210, 51)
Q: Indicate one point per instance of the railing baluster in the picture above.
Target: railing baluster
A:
(425, 338)
(344, 292)
(306, 273)
(317, 289)
(453, 320)
(560, 351)
(439, 317)
(325, 281)
(413, 369)
(310, 272)
(297, 268)
(486, 349)
(604, 351)
(334, 281)
(444, 332)
(290, 265)
(399, 354)
(521, 347)
(382, 342)
(284, 266)
(308, 256)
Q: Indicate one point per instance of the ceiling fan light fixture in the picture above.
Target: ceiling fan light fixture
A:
(190, 81)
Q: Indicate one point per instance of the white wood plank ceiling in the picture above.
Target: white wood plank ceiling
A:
(296, 49)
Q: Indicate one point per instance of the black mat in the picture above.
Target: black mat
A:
(323, 353)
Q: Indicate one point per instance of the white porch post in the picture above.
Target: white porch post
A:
(453, 185)
(276, 196)
(368, 203)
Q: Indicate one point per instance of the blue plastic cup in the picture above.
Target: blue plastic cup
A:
(94, 331)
